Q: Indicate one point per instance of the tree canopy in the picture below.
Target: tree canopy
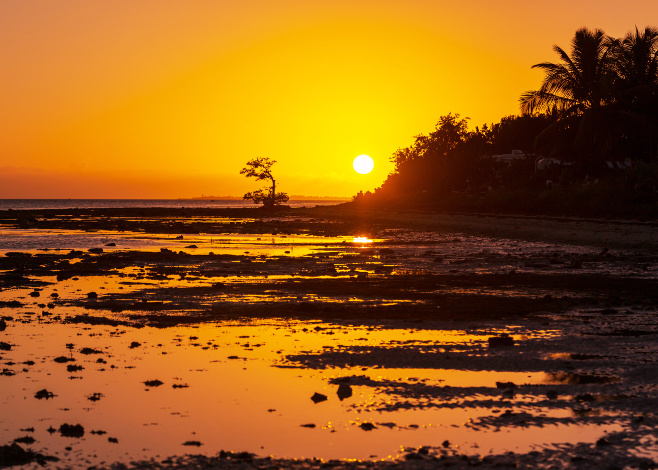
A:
(260, 168)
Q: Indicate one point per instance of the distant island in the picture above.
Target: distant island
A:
(294, 197)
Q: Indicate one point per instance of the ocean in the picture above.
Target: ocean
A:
(31, 204)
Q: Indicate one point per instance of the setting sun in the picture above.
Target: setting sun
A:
(363, 164)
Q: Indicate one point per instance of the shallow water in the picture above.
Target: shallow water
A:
(233, 397)
(247, 386)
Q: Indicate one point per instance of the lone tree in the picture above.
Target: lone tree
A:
(261, 169)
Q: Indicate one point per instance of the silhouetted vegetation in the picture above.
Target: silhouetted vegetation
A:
(586, 142)
(261, 169)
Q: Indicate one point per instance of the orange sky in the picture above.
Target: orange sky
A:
(160, 98)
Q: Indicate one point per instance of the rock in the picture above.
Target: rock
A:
(73, 368)
(502, 340)
(111, 244)
(3, 325)
(88, 351)
(96, 251)
(505, 385)
(63, 359)
(367, 426)
(14, 454)
(552, 394)
(318, 397)
(35, 293)
(113, 440)
(54, 295)
(5, 346)
(191, 246)
(309, 425)
(25, 440)
(72, 430)
(92, 295)
(153, 383)
(344, 391)
(41, 394)
(135, 344)
(192, 443)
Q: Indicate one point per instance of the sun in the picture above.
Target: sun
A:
(363, 164)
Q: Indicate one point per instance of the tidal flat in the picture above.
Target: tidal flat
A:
(320, 338)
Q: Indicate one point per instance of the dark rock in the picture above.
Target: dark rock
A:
(5, 346)
(96, 251)
(318, 397)
(153, 383)
(95, 396)
(502, 340)
(344, 391)
(113, 440)
(584, 397)
(367, 426)
(72, 430)
(3, 325)
(41, 394)
(88, 351)
(505, 385)
(92, 295)
(25, 440)
(111, 244)
(135, 344)
(309, 425)
(192, 443)
(63, 359)
(191, 246)
(35, 293)
(73, 368)
(552, 394)
(14, 454)
(54, 295)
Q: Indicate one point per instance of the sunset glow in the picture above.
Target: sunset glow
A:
(169, 99)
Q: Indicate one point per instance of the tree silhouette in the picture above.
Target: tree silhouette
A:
(260, 168)
(579, 89)
(604, 94)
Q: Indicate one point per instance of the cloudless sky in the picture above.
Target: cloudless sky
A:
(162, 98)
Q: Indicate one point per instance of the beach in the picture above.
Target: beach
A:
(327, 337)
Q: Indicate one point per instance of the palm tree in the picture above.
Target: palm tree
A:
(580, 82)
(636, 68)
(578, 88)
(636, 59)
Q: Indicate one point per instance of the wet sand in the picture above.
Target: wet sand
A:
(578, 299)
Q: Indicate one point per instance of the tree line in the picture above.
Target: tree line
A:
(596, 111)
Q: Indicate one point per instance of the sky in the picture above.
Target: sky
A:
(169, 99)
